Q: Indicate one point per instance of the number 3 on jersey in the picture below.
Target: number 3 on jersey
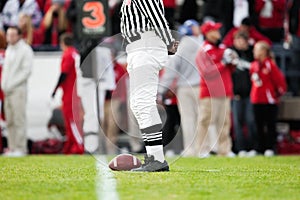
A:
(96, 18)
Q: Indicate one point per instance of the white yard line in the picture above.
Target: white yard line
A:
(106, 185)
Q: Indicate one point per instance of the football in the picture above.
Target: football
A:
(124, 162)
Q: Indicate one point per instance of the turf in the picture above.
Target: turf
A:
(47, 177)
(217, 178)
(74, 177)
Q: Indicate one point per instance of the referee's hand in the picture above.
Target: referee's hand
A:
(172, 50)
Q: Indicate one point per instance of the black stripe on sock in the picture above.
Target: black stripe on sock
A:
(154, 143)
(150, 130)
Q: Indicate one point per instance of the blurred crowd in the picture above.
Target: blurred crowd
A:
(42, 21)
(240, 34)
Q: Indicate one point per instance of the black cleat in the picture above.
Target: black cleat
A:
(152, 165)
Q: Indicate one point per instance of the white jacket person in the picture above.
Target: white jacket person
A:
(17, 67)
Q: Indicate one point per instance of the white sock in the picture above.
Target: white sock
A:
(156, 151)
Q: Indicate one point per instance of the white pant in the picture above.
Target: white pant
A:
(145, 58)
(87, 92)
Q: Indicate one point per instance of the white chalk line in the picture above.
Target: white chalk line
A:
(106, 184)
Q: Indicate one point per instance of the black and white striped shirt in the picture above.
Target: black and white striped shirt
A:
(139, 16)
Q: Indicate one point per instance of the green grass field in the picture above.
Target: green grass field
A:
(74, 177)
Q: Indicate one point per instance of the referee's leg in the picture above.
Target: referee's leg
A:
(145, 58)
(143, 90)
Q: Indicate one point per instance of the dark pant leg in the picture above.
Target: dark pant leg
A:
(238, 121)
(259, 116)
(271, 134)
(170, 128)
(252, 133)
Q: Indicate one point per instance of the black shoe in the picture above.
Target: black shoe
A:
(152, 165)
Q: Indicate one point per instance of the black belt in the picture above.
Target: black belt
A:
(134, 38)
(129, 40)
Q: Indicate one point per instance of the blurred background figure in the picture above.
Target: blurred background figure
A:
(13, 8)
(271, 15)
(172, 138)
(219, 11)
(268, 85)
(112, 107)
(54, 23)
(182, 70)
(86, 89)
(294, 30)
(31, 35)
(215, 91)
(247, 28)
(96, 77)
(243, 119)
(25, 25)
(241, 10)
(105, 77)
(115, 7)
(16, 71)
(46, 4)
(71, 102)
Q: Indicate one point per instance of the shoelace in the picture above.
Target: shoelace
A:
(148, 159)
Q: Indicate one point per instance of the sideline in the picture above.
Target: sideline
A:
(106, 185)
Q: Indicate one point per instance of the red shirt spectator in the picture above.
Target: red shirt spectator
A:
(253, 34)
(68, 67)
(215, 91)
(216, 76)
(271, 18)
(268, 82)
(71, 102)
(270, 15)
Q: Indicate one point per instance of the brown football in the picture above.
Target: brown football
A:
(124, 162)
